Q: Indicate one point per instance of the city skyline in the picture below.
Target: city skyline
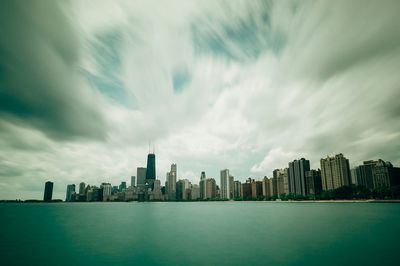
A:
(244, 86)
(297, 179)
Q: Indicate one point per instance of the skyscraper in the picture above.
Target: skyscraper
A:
(256, 189)
(211, 188)
(48, 191)
(195, 192)
(279, 176)
(151, 169)
(133, 181)
(202, 185)
(286, 180)
(70, 192)
(156, 193)
(122, 186)
(106, 188)
(230, 183)
(266, 190)
(297, 180)
(335, 172)
(141, 177)
(376, 174)
(171, 179)
(313, 181)
(236, 189)
(82, 187)
(224, 182)
(182, 189)
(246, 190)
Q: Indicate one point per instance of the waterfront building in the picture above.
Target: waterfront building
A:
(70, 192)
(82, 187)
(195, 192)
(106, 189)
(256, 189)
(266, 189)
(314, 182)
(279, 176)
(141, 177)
(202, 185)
(236, 189)
(179, 189)
(376, 174)
(151, 169)
(354, 175)
(286, 181)
(48, 191)
(335, 172)
(225, 184)
(297, 182)
(183, 189)
(130, 194)
(171, 182)
(122, 186)
(211, 188)
(246, 190)
(133, 181)
(365, 176)
(230, 182)
(156, 193)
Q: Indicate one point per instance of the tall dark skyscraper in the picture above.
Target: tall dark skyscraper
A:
(297, 180)
(48, 191)
(151, 169)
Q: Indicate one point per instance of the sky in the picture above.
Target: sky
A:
(85, 86)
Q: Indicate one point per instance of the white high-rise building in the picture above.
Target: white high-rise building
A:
(171, 179)
(107, 188)
(335, 172)
(133, 181)
(225, 185)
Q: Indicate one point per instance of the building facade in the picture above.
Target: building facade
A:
(48, 191)
(141, 177)
(296, 175)
(70, 192)
(224, 184)
(236, 189)
(211, 188)
(335, 172)
(314, 182)
(171, 182)
(151, 169)
(202, 185)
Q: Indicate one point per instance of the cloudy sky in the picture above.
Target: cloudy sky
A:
(244, 85)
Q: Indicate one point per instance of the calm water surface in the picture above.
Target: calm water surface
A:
(204, 233)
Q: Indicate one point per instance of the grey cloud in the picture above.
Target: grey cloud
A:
(336, 36)
(39, 81)
(239, 38)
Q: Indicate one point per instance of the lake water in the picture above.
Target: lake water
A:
(203, 233)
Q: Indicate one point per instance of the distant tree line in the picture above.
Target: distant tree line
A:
(342, 193)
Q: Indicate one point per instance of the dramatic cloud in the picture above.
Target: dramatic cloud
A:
(244, 85)
(40, 85)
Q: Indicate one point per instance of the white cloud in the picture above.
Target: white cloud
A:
(251, 113)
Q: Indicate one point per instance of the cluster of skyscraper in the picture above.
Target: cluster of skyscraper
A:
(335, 172)
(296, 179)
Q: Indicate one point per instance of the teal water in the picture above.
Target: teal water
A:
(204, 233)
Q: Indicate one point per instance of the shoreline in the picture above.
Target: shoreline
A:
(230, 201)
